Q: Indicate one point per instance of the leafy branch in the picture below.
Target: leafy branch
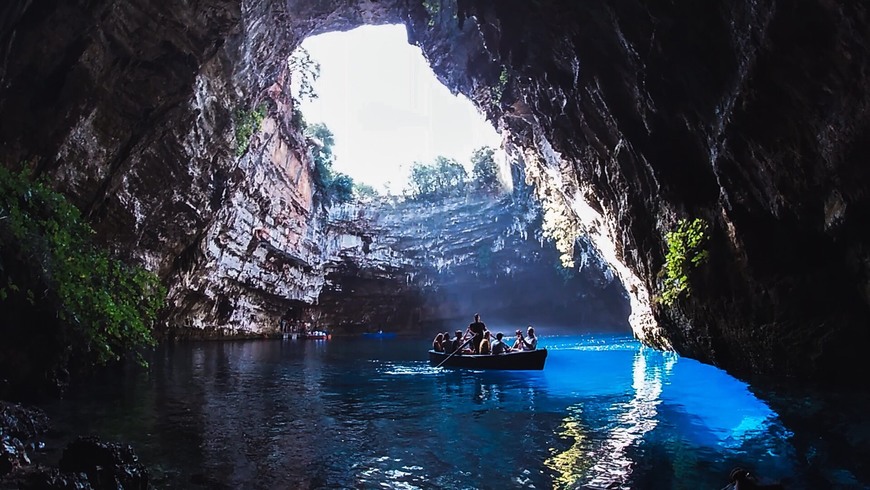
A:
(48, 260)
(247, 123)
(686, 252)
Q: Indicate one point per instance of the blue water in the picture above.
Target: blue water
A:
(368, 413)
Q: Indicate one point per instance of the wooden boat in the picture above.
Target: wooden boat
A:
(315, 335)
(521, 360)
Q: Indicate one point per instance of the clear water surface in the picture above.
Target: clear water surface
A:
(369, 413)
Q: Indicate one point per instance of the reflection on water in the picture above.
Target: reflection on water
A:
(602, 460)
(355, 413)
(570, 465)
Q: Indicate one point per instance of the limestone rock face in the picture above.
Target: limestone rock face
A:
(628, 116)
(416, 265)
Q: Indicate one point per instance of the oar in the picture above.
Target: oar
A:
(454, 352)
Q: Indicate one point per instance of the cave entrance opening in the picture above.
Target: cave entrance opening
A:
(375, 111)
(384, 106)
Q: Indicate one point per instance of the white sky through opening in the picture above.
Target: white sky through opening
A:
(386, 109)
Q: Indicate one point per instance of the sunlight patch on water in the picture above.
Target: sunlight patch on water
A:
(414, 368)
(602, 343)
(379, 473)
(639, 417)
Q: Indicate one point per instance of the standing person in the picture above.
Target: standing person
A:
(499, 346)
(476, 328)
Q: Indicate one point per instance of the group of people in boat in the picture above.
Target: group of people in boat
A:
(477, 339)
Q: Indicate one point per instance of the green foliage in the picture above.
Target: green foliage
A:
(304, 72)
(498, 90)
(324, 141)
(437, 179)
(685, 253)
(364, 191)
(483, 168)
(331, 186)
(104, 306)
(297, 119)
(247, 123)
(341, 188)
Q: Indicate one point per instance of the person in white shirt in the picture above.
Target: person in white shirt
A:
(530, 342)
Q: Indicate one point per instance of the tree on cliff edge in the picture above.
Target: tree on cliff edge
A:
(331, 186)
(484, 171)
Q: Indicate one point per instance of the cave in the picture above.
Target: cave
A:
(629, 118)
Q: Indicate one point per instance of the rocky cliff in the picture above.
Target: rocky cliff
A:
(422, 264)
(629, 116)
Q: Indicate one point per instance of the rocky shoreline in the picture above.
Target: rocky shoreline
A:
(86, 462)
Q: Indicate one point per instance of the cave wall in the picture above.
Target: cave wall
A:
(629, 116)
(424, 265)
(751, 116)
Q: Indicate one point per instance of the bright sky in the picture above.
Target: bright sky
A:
(386, 108)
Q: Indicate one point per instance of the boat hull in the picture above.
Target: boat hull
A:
(523, 361)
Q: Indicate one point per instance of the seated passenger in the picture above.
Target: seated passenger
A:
(518, 341)
(438, 343)
(484, 344)
(458, 343)
(531, 341)
(499, 347)
(526, 343)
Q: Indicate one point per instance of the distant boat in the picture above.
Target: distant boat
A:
(522, 360)
(380, 334)
(315, 335)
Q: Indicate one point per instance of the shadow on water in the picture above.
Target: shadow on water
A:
(363, 413)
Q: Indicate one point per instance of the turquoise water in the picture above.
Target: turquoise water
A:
(369, 413)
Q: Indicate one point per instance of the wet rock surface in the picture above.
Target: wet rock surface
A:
(628, 115)
(86, 462)
(19, 428)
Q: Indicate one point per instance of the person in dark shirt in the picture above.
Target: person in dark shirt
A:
(476, 328)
